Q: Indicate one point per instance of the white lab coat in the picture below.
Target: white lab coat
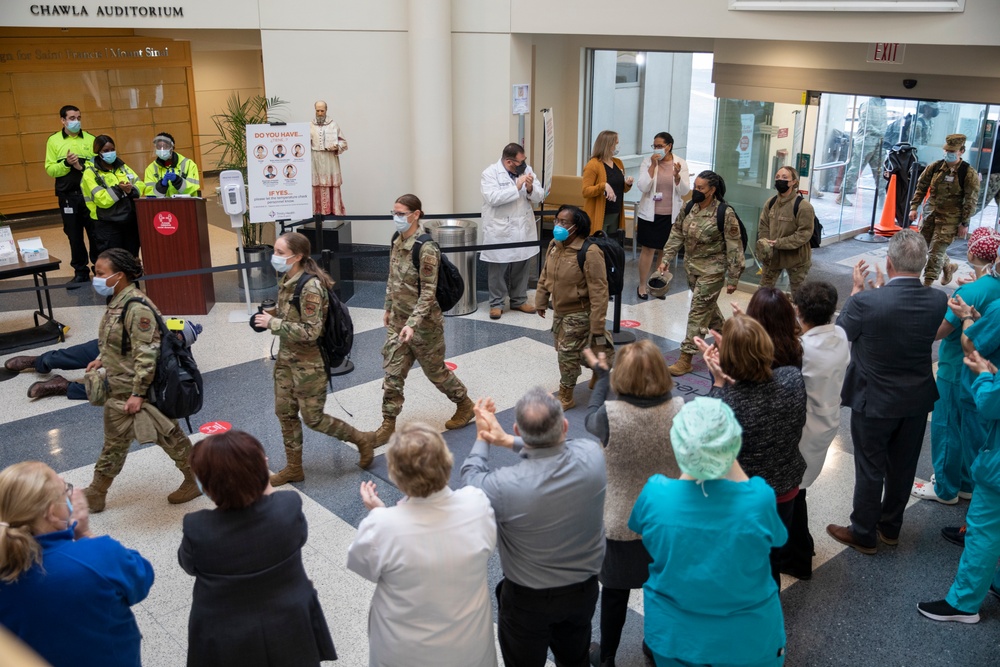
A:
(428, 559)
(825, 355)
(646, 184)
(507, 214)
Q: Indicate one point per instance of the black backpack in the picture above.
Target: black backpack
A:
(817, 235)
(450, 285)
(614, 259)
(177, 389)
(720, 219)
(337, 339)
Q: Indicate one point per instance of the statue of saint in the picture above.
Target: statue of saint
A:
(327, 145)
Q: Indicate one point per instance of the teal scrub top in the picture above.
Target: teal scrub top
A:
(710, 597)
(985, 335)
(986, 468)
(979, 294)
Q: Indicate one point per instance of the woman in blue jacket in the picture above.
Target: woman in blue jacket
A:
(51, 569)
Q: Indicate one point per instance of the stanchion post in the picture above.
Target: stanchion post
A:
(617, 335)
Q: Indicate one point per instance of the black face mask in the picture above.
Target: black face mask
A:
(781, 186)
(697, 196)
(521, 168)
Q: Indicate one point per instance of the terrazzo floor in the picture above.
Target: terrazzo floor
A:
(856, 610)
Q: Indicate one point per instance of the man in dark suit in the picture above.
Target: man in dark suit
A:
(889, 387)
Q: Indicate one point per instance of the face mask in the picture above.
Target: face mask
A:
(163, 153)
(73, 126)
(521, 168)
(697, 196)
(660, 151)
(197, 482)
(951, 157)
(109, 157)
(781, 186)
(102, 287)
(280, 264)
(402, 224)
(616, 152)
(560, 233)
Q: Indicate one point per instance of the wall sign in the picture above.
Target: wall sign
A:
(165, 223)
(890, 53)
(279, 172)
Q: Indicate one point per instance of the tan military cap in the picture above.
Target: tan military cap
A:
(954, 142)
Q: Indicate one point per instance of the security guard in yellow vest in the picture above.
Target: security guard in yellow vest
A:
(170, 173)
(66, 154)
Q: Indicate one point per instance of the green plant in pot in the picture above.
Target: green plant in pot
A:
(230, 147)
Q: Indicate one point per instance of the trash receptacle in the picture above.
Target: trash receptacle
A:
(455, 234)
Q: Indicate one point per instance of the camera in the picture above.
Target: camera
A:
(909, 83)
(265, 305)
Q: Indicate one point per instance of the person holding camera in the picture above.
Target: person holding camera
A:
(110, 188)
(299, 374)
(579, 298)
(171, 173)
(66, 154)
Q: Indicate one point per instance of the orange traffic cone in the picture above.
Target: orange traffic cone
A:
(887, 223)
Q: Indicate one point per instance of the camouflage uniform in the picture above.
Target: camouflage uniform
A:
(579, 303)
(710, 262)
(946, 209)
(791, 252)
(130, 375)
(866, 146)
(299, 375)
(410, 301)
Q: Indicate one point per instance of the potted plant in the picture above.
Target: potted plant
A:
(231, 147)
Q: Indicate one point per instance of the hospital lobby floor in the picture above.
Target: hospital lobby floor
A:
(856, 610)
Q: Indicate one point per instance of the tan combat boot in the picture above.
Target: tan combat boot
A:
(387, 428)
(566, 397)
(97, 492)
(948, 272)
(186, 492)
(463, 414)
(292, 472)
(682, 366)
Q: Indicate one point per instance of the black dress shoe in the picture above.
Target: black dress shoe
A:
(639, 294)
(954, 534)
(78, 281)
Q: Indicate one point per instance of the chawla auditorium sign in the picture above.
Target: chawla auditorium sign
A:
(161, 11)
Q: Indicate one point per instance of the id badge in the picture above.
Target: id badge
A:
(68, 210)
(949, 179)
(657, 196)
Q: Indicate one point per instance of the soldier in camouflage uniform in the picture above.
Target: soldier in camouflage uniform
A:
(414, 323)
(300, 377)
(129, 373)
(952, 188)
(787, 234)
(579, 298)
(866, 148)
(710, 260)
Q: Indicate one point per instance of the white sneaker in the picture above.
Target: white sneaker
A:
(965, 495)
(925, 491)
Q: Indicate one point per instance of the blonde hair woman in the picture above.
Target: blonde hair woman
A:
(427, 556)
(605, 185)
(51, 569)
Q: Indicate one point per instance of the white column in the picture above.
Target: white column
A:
(430, 103)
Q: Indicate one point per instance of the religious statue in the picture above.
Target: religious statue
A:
(327, 145)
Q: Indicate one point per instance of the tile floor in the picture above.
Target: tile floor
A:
(856, 610)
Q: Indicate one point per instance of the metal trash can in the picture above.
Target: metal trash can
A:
(455, 234)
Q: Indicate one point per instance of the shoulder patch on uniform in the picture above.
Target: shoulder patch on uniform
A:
(309, 309)
(427, 269)
(312, 297)
(145, 324)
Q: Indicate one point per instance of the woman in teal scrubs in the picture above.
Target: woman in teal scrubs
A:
(710, 598)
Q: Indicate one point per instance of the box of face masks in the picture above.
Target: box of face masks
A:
(8, 253)
(32, 249)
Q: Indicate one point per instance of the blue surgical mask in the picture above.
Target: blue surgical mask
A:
(616, 152)
(950, 157)
(109, 157)
(661, 152)
(280, 263)
(73, 126)
(560, 233)
(197, 482)
(102, 287)
(69, 504)
(402, 224)
(163, 153)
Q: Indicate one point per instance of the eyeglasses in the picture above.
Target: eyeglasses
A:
(69, 490)
(663, 147)
(404, 213)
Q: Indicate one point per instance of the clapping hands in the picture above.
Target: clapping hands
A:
(488, 429)
(595, 360)
(978, 364)
(711, 355)
(861, 281)
(369, 496)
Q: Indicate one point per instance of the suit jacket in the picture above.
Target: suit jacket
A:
(253, 604)
(891, 332)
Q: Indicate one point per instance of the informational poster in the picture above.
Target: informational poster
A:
(279, 172)
(745, 147)
(549, 159)
(521, 103)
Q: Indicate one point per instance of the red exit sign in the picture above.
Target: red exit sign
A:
(886, 52)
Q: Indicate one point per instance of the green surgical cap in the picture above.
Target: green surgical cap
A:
(706, 438)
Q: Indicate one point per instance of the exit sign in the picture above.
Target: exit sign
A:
(886, 52)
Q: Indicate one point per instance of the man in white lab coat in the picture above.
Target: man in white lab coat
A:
(509, 190)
